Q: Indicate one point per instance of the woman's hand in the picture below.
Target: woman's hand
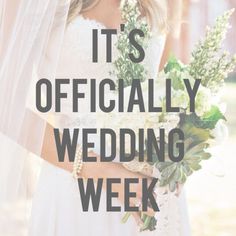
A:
(116, 170)
(137, 188)
(98, 170)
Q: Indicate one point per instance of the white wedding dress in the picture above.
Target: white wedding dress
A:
(56, 209)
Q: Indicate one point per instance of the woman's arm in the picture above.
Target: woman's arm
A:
(49, 150)
(96, 170)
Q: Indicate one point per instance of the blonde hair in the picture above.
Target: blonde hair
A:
(154, 10)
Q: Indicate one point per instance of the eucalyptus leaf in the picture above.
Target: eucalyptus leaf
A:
(196, 166)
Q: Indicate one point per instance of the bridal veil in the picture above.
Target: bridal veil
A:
(29, 29)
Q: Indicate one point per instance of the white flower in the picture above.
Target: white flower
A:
(220, 133)
(203, 101)
(171, 121)
(180, 99)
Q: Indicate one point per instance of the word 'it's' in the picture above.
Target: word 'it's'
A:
(108, 34)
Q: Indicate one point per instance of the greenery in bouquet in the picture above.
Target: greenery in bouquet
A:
(125, 69)
(212, 66)
(209, 64)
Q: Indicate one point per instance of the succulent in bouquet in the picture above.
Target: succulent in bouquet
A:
(211, 66)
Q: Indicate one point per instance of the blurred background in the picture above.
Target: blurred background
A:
(211, 192)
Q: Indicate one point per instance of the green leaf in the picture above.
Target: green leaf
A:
(177, 174)
(197, 134)
(196, 166)
(187, 170)
(172, 186)
(172, 64)
(177, 81)
(197, 149)
(162, 165)
(125, 217)
(206, 156)
(210, 119)
(183, 179)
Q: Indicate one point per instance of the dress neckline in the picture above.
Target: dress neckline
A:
(95, 22)
(92, 21)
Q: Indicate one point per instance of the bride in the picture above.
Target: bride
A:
(65, 51)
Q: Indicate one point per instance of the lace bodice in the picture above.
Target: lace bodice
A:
(76, 55)
(76, 61)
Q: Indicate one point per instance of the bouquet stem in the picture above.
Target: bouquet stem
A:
(125, 217)
(149, 222)
(146, 222)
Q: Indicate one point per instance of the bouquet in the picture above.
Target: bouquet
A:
(211, 66)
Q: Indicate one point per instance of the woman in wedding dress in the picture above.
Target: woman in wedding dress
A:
(56, 208)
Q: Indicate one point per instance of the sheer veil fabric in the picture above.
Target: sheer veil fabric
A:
(30, 49)
(25, 34)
